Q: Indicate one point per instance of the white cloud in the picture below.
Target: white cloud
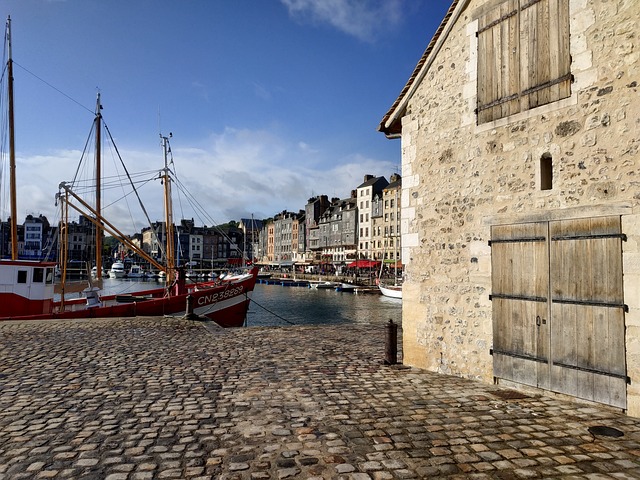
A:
(359, 18)
(231, 175)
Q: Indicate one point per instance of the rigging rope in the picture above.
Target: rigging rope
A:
(115, 147)
(273, 313)
(54, 88)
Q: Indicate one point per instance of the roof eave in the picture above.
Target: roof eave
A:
(391, 124)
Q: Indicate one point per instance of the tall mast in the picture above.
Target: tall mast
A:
(168, 211)
(98, 124)
(12, 150)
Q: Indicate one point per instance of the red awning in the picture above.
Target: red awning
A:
(363, 264)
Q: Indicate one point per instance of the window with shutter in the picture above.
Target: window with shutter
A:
(523, 57)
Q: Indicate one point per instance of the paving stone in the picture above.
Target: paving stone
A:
(166, 398)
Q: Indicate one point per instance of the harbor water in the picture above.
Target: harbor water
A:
(275, 305)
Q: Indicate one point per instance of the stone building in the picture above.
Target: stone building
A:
(520, 129)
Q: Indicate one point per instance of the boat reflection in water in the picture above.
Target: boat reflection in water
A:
(274, 305)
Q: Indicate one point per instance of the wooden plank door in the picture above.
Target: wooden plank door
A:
(587, 309)
(558, 307)
(520, 293)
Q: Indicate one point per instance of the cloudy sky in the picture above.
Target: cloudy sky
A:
(270, 102)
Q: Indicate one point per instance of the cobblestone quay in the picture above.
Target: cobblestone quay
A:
(168, 398)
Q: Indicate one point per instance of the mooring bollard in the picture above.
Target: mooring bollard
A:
(391, 344)
(189, 315)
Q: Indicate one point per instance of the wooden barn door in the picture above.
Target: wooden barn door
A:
(558, 311)
(587, 310)
(520, 300)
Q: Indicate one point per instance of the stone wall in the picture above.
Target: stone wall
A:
(459, 178)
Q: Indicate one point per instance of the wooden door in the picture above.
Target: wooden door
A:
(587, 309)
(558, 312)
(520, 294)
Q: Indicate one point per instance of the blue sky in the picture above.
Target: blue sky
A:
(269, 102)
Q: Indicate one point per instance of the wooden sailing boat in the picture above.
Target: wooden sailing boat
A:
(27, 287)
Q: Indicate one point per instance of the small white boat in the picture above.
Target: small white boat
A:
(322, 284)
(135, 272)
(392, 291)
(117, 270)
(264, 274)
(94, 273)
(346, 287)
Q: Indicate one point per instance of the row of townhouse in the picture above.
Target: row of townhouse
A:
(197, 246)
(35, 238)
(330, 234)
(327, 234)
(204, 246)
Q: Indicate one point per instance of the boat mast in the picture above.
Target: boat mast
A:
(12, 150)
(168, 211)
(98, 125)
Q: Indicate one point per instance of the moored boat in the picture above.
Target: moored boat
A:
(322, 284)
(135, 271)
(94, 273)
(27, 287)
(117, 270)
(392, 291)
(346, 287)
(27, 293)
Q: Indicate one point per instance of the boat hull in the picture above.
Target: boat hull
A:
(392, 291)
(226, 303)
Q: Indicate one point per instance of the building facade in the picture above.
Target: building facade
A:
(520, 206)
(367, 191)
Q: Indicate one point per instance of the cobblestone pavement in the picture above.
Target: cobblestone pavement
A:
(167, 398)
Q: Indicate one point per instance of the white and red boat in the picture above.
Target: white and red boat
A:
(27, 293)
(27, 290)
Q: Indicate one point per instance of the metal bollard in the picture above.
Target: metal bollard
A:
(391, 344)
(189, 315)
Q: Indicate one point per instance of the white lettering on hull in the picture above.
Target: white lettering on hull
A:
(219, 296)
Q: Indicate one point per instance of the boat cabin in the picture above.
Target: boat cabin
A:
(26, 287)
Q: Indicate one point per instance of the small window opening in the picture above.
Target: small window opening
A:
(546, 172)
(22, 276)
(38, 275)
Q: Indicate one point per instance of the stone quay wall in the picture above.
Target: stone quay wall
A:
(458, 178)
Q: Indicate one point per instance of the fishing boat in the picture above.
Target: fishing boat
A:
(27, 287)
